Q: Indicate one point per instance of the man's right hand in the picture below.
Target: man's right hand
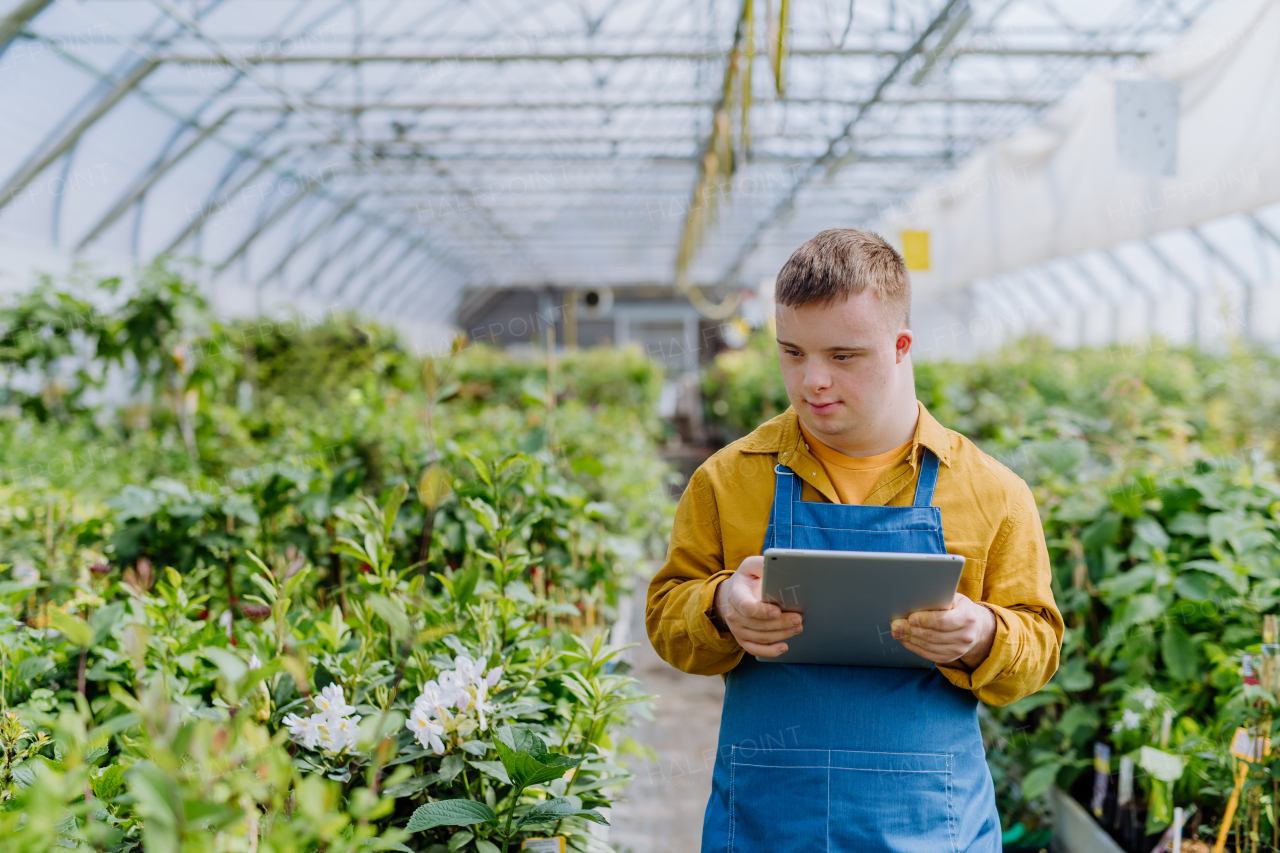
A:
(759, 627)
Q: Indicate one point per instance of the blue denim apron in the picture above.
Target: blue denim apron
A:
(850, 759)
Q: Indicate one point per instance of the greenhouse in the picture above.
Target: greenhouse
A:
(423, 422)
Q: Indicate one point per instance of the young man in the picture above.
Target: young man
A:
(843, 758)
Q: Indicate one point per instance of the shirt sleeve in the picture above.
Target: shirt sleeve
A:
(684, 589)
(1017, 588)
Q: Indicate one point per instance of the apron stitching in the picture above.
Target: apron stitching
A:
(828, 803)
(951, 830)
(733, 766)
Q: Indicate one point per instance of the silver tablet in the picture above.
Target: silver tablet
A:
(849, 599)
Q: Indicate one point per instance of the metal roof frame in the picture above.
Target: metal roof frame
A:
(399, 102)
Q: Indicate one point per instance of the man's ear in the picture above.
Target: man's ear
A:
(903, 345)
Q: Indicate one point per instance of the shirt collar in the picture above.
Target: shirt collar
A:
(782, 435)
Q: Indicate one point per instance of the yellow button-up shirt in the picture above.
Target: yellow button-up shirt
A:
(988, 515)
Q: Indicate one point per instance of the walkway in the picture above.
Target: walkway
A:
(664, 803)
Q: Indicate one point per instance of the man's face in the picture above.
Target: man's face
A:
(841, 364)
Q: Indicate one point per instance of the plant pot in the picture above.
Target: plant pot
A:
(1074, 829)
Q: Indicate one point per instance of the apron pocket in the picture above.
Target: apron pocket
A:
(778, 800)
(891, 801)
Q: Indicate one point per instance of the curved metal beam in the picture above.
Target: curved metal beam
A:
(332, 218)
(346, 282)
(13, 23)
(207, 208)
(146, 182)
(258, 229)
(350, 242)
(51, 150)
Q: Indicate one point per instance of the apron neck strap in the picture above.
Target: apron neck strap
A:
(928, 480)
(786, 488)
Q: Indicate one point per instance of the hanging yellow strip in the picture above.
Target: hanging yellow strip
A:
(915, 250)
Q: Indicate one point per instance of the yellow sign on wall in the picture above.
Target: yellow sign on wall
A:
(915, 250)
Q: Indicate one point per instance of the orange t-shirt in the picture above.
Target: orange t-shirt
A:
(853, 477)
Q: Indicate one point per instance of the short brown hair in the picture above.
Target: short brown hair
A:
(841, 263)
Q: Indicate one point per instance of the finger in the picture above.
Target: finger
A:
(903, 628)
(763, 651)
(775, 623)
(937, 639)
(940, 620)
(764, 637)
(943, 656)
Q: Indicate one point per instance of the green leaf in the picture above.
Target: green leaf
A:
(411, 786)
(392, 508)
(108, 784)
(102, 620)
(450, 813)
(1238, 580)
(483, 846)
(371, 552)
(77, 632)
(484, 513)
(1179, 652)
(1077, 717)
(1101, 532)
(1194, 586)
(522, 740)
(1040, 779)
(264, 584)
(494, 769)
(392, 612)
(559, 809)
(464, 585)
(351, 549)
(482, 470)
(228, 663)
(1164, 766)
(587, 465)
(450, 766)
(1074, 675)
(1149, 530)
(526, 759)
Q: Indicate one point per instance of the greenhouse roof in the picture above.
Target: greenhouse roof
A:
(389, 154)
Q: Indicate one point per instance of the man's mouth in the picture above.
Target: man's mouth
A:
(823, 408)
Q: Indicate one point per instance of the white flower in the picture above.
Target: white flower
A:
(1130, 719)
(254, 663)
(304, 729)
(1147, 697)
(331, 727)
(437, 697)
(342, 733)
(331, 700)
(426, 730)
(462, 689)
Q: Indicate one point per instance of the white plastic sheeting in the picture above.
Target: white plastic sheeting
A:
(1056, 188)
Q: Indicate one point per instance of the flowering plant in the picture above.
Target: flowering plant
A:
(332, 728)
(444, 705)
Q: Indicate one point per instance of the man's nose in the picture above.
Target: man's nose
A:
(816, 379)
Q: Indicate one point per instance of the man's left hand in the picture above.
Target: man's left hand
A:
(965, 632)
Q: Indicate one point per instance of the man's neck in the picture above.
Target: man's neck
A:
(894, 431)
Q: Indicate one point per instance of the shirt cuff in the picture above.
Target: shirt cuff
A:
(704, 632)
(1000, 660)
